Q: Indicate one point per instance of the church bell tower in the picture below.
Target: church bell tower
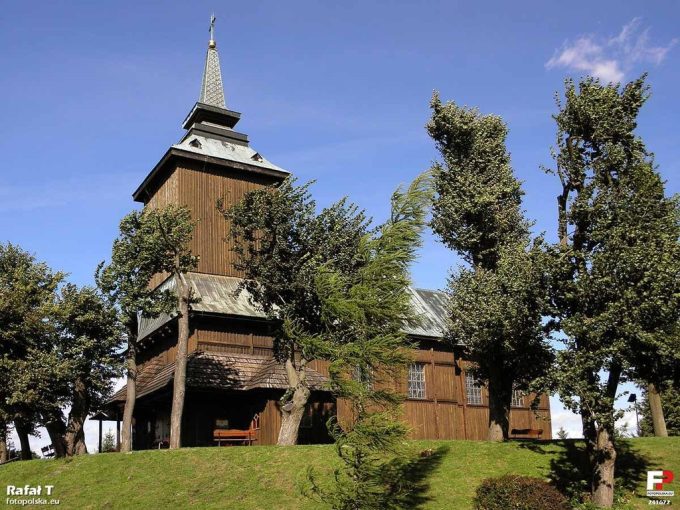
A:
(211, 162)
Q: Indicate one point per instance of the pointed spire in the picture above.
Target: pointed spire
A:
(212, 92)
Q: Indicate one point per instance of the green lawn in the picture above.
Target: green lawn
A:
(269, 477)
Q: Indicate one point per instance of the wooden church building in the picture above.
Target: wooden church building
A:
(233, 382)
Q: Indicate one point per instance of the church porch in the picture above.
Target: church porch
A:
(230, 400)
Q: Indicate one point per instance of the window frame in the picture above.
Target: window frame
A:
(416, 387)
(474, 389)
(517, 399)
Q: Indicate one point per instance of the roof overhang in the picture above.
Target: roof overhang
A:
(209, 113)
(174, 153)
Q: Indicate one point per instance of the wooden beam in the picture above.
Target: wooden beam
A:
(118, 432)
(434, 395)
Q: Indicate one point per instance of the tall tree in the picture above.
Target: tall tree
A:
(669, 401)
(38, 388)
(496, 303)
(172, 230)
(27, 296)
(137, 256)
(662, 374)
(281, 241)
(614, 272)
(363, 316)
(655, 407)
(90, 336)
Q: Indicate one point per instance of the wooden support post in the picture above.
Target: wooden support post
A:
(463, 395)
(118, 432)
(434, 395)
(100, 435)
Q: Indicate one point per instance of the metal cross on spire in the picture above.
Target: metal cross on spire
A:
(212, 28)
(212, 92)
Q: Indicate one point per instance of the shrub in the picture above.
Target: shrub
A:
(512, 492)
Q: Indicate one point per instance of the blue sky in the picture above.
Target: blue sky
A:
(94, 93)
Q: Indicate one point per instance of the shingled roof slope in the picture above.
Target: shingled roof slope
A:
(220, 371)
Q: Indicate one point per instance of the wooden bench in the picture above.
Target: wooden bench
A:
(527, 433)
(236, 436)
(47, 451)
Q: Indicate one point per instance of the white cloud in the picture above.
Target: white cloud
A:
(610, 59)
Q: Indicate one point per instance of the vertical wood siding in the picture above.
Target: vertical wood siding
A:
(199, 189)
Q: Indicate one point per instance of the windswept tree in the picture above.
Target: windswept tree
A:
(497, 300)
(363, 317)
(281, 241)
(150, 242)
(27, 300)
(615, 284)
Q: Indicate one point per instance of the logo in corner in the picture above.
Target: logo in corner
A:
(656, 481)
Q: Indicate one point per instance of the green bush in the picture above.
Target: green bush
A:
(512, 492)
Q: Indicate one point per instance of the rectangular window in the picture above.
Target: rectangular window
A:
(416, 380)
(517, 399)
(364, 375)
(473, 390)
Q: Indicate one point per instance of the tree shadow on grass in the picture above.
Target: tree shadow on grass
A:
(571, 472)
(403, 482)
(409, 478)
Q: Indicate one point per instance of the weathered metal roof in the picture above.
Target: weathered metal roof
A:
(215, 294)
(222, 149)
(430, 306)
(219, 295)
(220, 371)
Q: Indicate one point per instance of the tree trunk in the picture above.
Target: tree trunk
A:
(22, 432)
(589, 434)
(588, 420)
(293, 410)
(603, 474)
(56, 428)
(131, 392)
(179, 388)
(4, 451)
(75, 433)
(605, 452)
(658, 420)
(500, 398)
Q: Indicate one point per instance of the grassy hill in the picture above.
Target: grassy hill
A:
(270, 477)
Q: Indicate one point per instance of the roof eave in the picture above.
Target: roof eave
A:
(174, 152)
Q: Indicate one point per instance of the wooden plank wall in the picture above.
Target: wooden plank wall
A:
(442, 414)
(200, 188)
(232, 336)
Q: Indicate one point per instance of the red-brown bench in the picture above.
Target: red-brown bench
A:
(236, 436)
(526, 433)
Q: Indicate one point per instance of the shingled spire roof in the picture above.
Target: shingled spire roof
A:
(212, 92)
(210, 136)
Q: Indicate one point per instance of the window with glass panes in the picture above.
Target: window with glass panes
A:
(364, 375)
(473, 390)
(416, 380)
(517, 399)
